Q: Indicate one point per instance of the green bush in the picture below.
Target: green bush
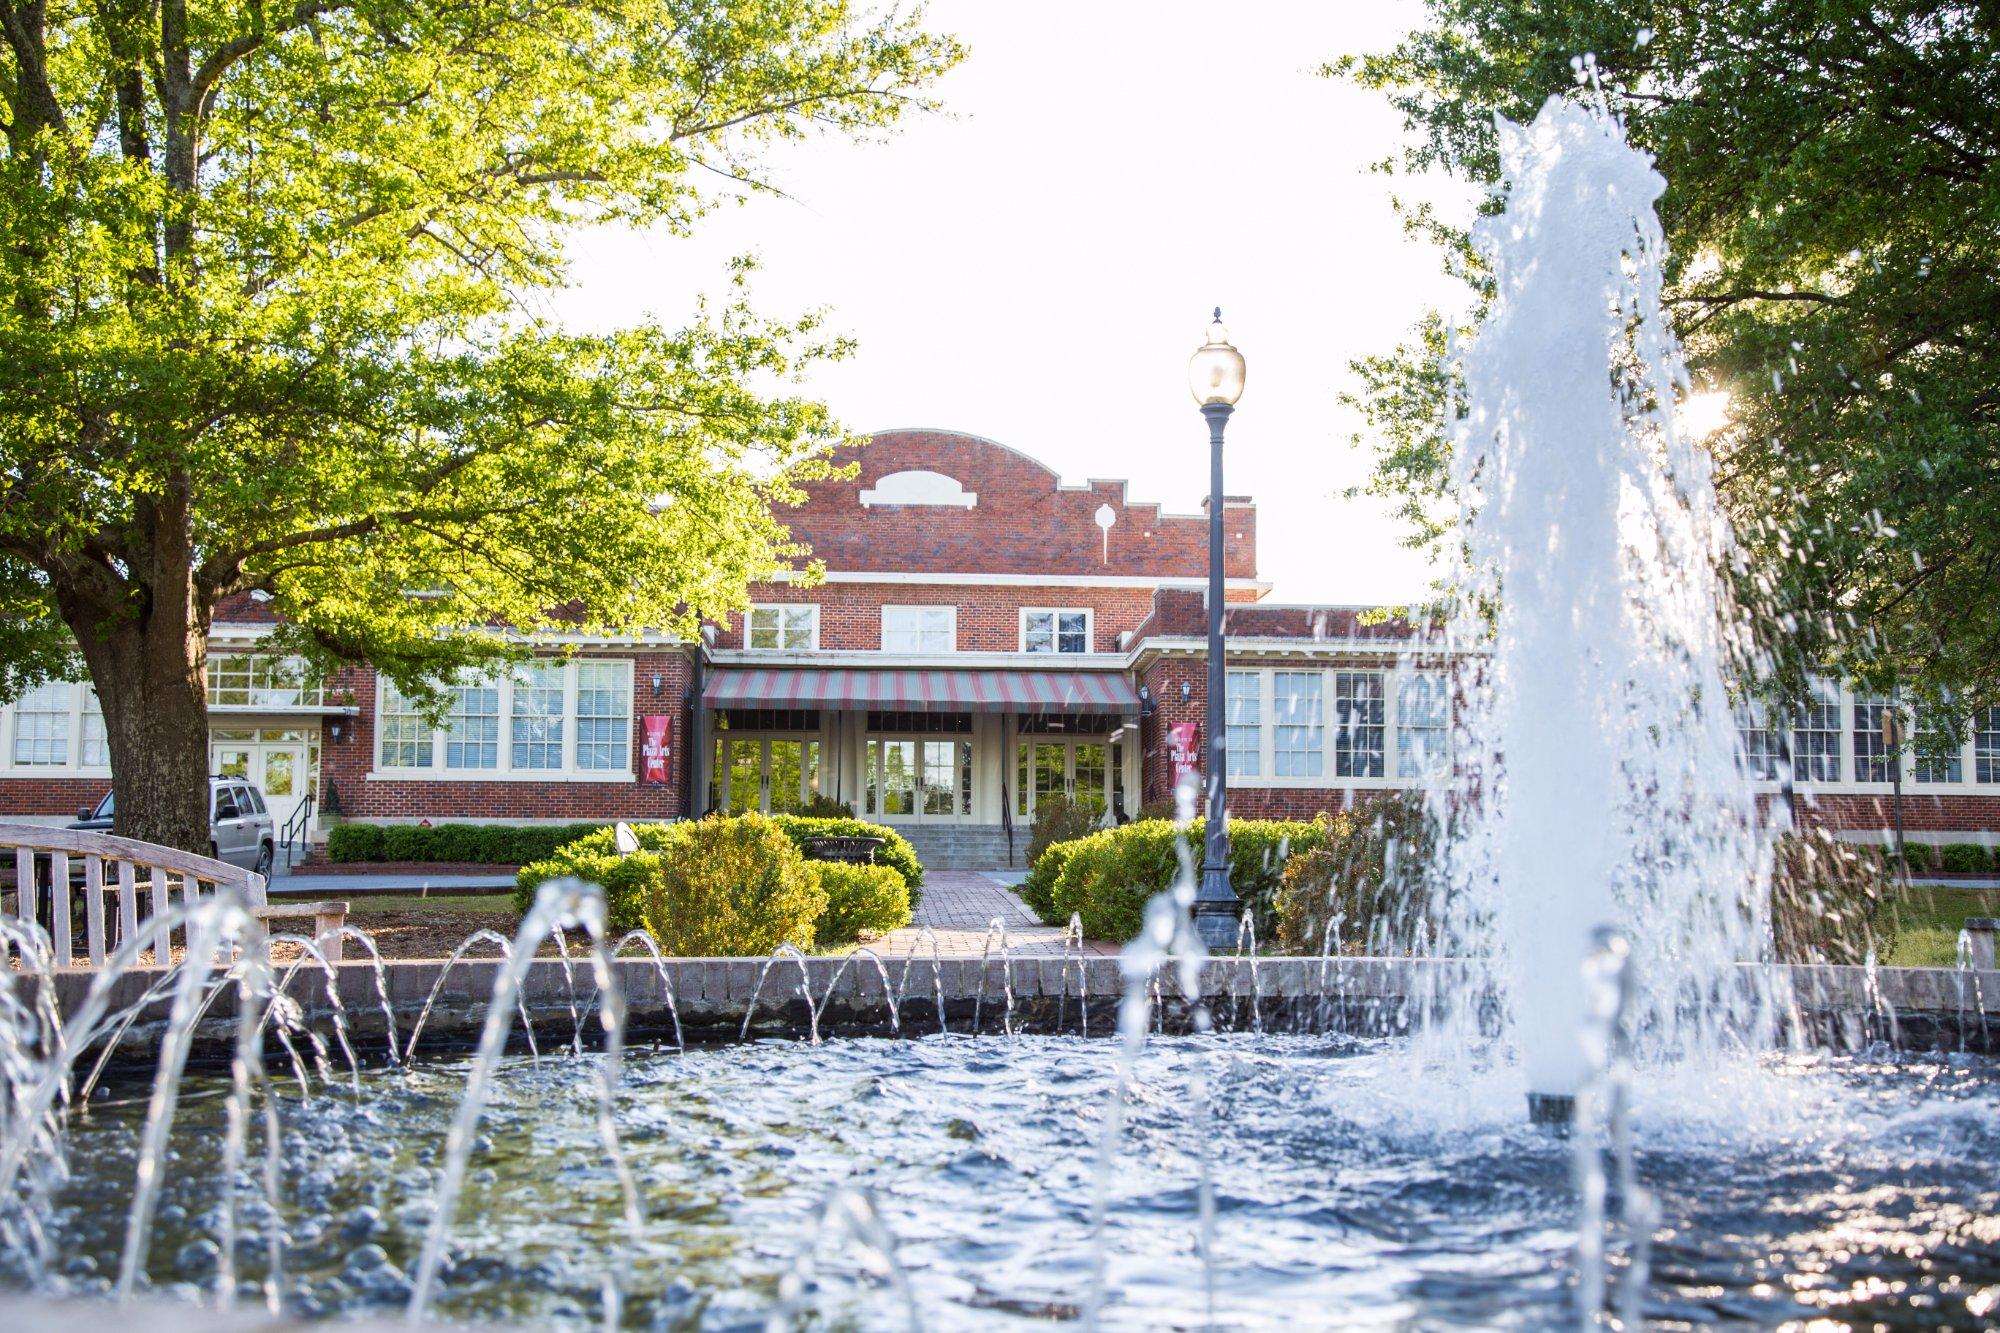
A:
(1038, 889)
(1832, 901)
(821, 806)
(1109, 875)
(1965, 858)
(860, 898)
(896, 850)
(1370, 870)
(1059, 819)
(732, 887)
(472, 844)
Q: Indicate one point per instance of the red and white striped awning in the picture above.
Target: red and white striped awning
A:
(922, 691)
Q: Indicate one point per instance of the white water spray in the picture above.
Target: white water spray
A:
(1599, 781)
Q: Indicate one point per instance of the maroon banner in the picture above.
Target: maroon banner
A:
(1184, 747)
(654, 749)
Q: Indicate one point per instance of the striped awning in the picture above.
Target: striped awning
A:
(922, 691)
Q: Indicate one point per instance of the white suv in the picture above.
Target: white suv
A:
(239, 827)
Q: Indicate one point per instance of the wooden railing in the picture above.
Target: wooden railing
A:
(106, 889)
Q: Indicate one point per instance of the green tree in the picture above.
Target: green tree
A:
(271, 320)
(1833, 215)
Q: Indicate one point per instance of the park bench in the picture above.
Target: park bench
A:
(123, 889)
(854, 851)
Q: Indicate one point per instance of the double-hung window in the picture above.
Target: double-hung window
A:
(1423, 722)
(1758, 740)
(1874, 759)
(1244, 719)
(919, 629)
(1298, 713)
(472, 729)
(1816, 734)
(41, 725)
(603, 715)
(536, 724)
(1935, 762)
(406, 736)
(1359, 724)
(1986, 746)
(1055, 631)
(788, 628)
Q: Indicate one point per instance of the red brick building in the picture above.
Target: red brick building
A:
(984, 636)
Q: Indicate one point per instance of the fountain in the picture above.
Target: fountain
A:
(1598, 782)
(1328, 1141)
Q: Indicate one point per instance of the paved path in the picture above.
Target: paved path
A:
(343, 886)
(959, 906)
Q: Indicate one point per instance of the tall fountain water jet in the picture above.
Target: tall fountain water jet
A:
(1598, 780)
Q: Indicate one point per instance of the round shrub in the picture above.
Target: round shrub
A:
(733, 886)
(1038, 889)
(1107, 877)
(860, 898)
(896, 850)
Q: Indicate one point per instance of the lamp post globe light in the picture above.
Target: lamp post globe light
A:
(1215, 374)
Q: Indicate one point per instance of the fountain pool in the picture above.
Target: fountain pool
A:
(1790, 1188)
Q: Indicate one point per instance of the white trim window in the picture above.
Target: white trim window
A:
(1816, 734)
(472, 728)
(42, 720)
(603, 716)
(1935, 763)
(1298, 717)
(1986, 746)
(262, 680)
(1757, 740)
(544, 719)
(1050, 629)
(1243, 716)
(919, 629)
(1873, 760)
(791, 627)
(1423, 724)
(94, 751)
(1360, 724)
(535, 721)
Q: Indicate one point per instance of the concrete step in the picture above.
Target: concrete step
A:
(965, 846)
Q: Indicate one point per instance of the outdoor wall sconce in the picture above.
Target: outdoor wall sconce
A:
(1187, 690)
(656, 682)
(333, 731)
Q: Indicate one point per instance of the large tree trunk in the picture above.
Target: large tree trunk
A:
(151, 680)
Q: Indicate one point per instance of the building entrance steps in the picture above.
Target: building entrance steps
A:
(959, 907)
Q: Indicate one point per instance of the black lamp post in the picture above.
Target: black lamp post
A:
(1215, 374)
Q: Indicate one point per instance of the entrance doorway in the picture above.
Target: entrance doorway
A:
(924, 779)
(1081, 769)
(283, 762)
(770, 774)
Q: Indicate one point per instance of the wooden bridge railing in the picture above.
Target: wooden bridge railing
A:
(106, 889)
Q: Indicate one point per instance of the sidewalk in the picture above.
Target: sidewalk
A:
(959, 906)
(344, 886)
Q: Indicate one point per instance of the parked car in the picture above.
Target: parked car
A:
(239, 827)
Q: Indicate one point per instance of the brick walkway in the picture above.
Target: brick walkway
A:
(959, 907)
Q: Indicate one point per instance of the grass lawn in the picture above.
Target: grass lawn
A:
(1928, 921)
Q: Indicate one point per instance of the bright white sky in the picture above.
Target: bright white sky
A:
(1036, 265)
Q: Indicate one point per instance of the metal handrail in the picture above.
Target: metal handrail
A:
(297, 829)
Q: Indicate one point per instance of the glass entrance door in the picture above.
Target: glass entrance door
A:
(771, 774)
(929, 781)
(1084, 771)
(281, 762)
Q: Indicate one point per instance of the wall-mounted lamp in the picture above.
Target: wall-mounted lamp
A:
(1187, 691)
(656, 682)
(333, 731)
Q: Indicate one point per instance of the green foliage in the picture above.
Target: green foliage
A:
(821, 806)
(860, 898)
(1965, 858)
(896, 850)
(269, 284)
(1369, 871)
(471, 844)
(1038, 889)
(1059, 819)
(1833, 226)
(1108, 876)
(1828, 900)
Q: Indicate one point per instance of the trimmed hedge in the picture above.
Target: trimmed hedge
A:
(1966, 858)
(860, 898)
(630, 882)
(1038, 889)
(1107, 877)
(470, 844)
